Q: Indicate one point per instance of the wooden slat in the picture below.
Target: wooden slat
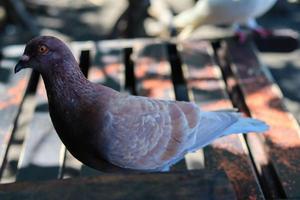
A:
(42, 155)
(130, 85)
(20, 131)
(187, 185)
(107, 69)
(153, 71)
(207, 89)
(278, 152)
(12, 90)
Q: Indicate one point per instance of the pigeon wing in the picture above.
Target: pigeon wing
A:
(143, 133)
(147, 134)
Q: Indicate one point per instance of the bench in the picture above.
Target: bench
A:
(214, 74)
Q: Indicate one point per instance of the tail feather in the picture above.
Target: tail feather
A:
(213, 125)
(217, 124)
(245, 125)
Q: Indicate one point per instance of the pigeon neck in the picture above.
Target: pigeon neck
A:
(65, 83)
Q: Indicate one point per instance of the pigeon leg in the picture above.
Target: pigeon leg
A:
(162, 12)
(239, 33)
(186, 32)
(257, 29)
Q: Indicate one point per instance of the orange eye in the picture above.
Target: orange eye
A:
(43, 49)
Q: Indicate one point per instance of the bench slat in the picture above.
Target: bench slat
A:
(186, 185)
(12, 91)
(207, 89)
(41, 157)
(280, 149)
(152, 71)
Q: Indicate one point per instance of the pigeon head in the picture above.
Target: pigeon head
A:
(44, 53)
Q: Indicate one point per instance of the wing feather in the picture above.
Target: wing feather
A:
(147, 134)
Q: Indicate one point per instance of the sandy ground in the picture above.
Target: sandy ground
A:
(97, 19)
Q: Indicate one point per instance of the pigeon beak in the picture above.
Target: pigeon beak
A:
(22, 63)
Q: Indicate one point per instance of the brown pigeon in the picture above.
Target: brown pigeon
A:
(98, 124)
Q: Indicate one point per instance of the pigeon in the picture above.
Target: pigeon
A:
(222, 12)
(98, 124)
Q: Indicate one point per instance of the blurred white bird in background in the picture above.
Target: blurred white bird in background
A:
(221, 12)
(235, 12)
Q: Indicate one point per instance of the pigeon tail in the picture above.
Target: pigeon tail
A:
(217, 124)
(245, 125)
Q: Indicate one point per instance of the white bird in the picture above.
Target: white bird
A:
(229, 12)
(97, 123)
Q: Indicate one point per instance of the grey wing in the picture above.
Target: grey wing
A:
(148, 134)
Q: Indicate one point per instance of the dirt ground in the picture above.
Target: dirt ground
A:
(104, 19)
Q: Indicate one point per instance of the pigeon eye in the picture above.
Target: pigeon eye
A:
(43, 49)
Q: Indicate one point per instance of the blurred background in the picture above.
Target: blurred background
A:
(82, 20)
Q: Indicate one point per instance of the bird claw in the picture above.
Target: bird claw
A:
(262, 32)
(242, 36)
(258, 32)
